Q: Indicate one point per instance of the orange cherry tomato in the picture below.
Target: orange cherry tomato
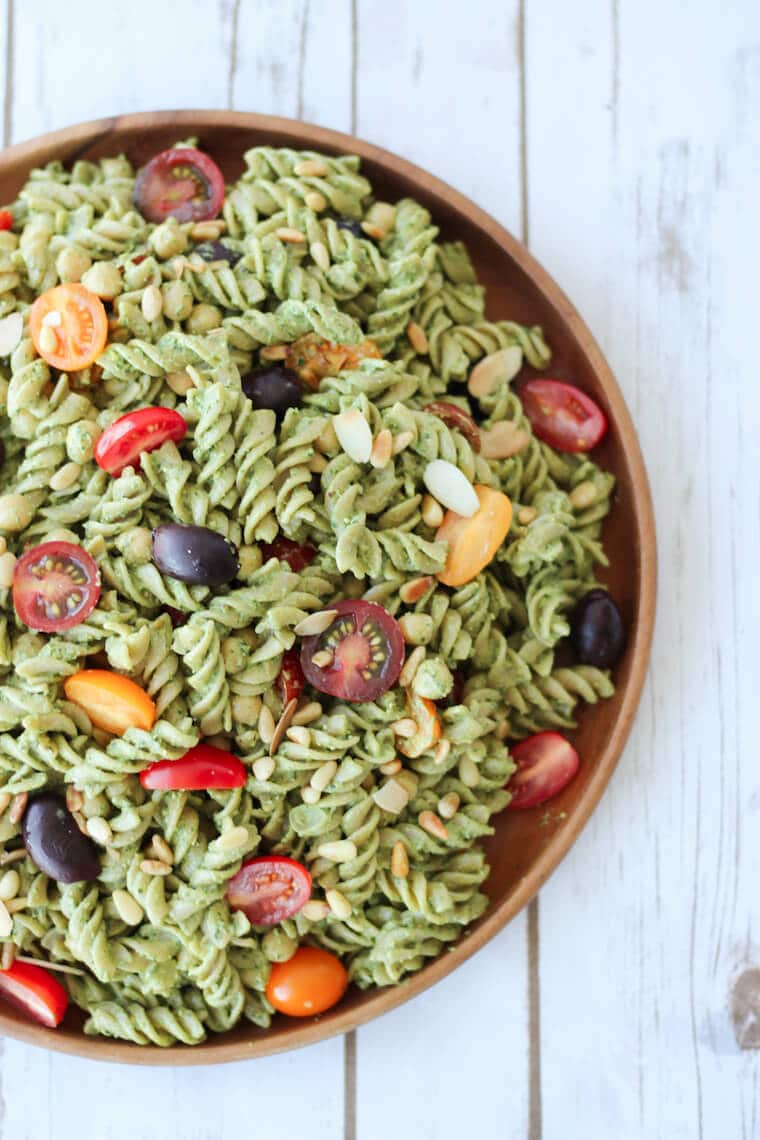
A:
(474, 541)
(310, 982)
(112, 702)
(80, 327)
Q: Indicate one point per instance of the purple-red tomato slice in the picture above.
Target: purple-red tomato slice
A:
(563, 416)
(269, 889)
(182, 183)
(546, 763)
(367, 652)
(56, 585)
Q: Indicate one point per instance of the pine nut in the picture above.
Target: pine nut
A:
(583, 495)
(21, 902)
(274, 352)
(5, 799)
(382, 215)
(229, 840)
(310, 795)
(320, 255)
(315, 201)
(324, 775)
(315, 910)
(448, 805)
(402, 440)
(526, 515)
(263, 768)
(338, 851)
(323, 658)
(468, 772)
(413, 591)
(7, 956)
(434, 826)
(15, 512)
(48, 341)
(99, 829)
(152, 303)
(315, 623)
(308, 713)
(155, 867)
(310, 168)
(299, 735)
(392, 797)
(18, 807)
(405, 727)
(432, 512)
(399, 860)
(162, 849)
(65, 477)
(7, 568)
(417, 338)
(382, 449)
(338, 903)
(209, 230)
(442, 749)
(373, 231)
(9, 885)
(503, 730)
(411, 665)
(391, 768)
(288, 234)
(179, 382)
(266, 724)
(127, 907)
(6, 922)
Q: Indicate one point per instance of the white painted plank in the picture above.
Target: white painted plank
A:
(642, 191)
(186, 59)
(455, 1061)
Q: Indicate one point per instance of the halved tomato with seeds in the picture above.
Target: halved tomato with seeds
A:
(55, 586)
(298, 555)
(68, 326)
(269, 889)
(363, 650)
(290, 679)
(182, 183)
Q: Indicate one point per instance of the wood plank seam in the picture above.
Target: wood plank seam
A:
(9, 63)
(233, 62)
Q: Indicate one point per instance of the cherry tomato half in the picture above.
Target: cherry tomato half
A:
(35, 991)
(455, 417)
(310, 982)
(182, 183)
(297, 555)
(269, 889)
(112, 702)
(201, 768)
(473, 541)
(563, 416)
(367, 648)
(6, 219)
(79, 326)
(55, 586)
(290, 679)
(122, 443)
(546, 763)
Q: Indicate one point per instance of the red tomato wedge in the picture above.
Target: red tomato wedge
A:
(455, 417)
(269, 889)
(55, 586)
(290, 679)
(563, 416)
(182, 183)
(6, 219)
(112, 702)
(35, 991)
(122, 444)
(69, 327)
(203, 767)
(297, 555)
(310, 982)
(367, 648)
(546, 763)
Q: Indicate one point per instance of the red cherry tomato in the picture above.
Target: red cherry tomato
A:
(308, 983)
(269, 889)
(6, 219)
(122, 444)
(290, 679)
(55, 586)
(367, 648)
(34, 991)
(563, 416)
(297, 555)
(182, 183)
(546, 763)
(455, 417)
(201, 768)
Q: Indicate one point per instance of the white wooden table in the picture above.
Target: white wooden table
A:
(621, 139)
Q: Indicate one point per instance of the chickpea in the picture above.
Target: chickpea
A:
(103, 279)
(72, 263)
(203, 318)
(168, 239)
(178, 300)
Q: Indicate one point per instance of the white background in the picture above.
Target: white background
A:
(621, 139)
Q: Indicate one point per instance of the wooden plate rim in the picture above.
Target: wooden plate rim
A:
(76, 139)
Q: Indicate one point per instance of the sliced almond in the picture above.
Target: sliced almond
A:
(402, 441)
(282, 726)
(391, 797)
(354, 435)
(11, 328)
(503, 440)
(382, 449)
(412, 591)
(315, 623)
(499, 367)
(406, 727)
(263, 768)
(451, 487)
(338, 850)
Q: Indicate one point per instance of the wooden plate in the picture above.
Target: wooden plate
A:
(522, 852)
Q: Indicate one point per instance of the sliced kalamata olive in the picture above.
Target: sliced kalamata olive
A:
(177, 617)
(218, 251)
(273, 387)
(597, 631)
(2, 452)
(352, 225)
(194, 554)
(55, 843)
